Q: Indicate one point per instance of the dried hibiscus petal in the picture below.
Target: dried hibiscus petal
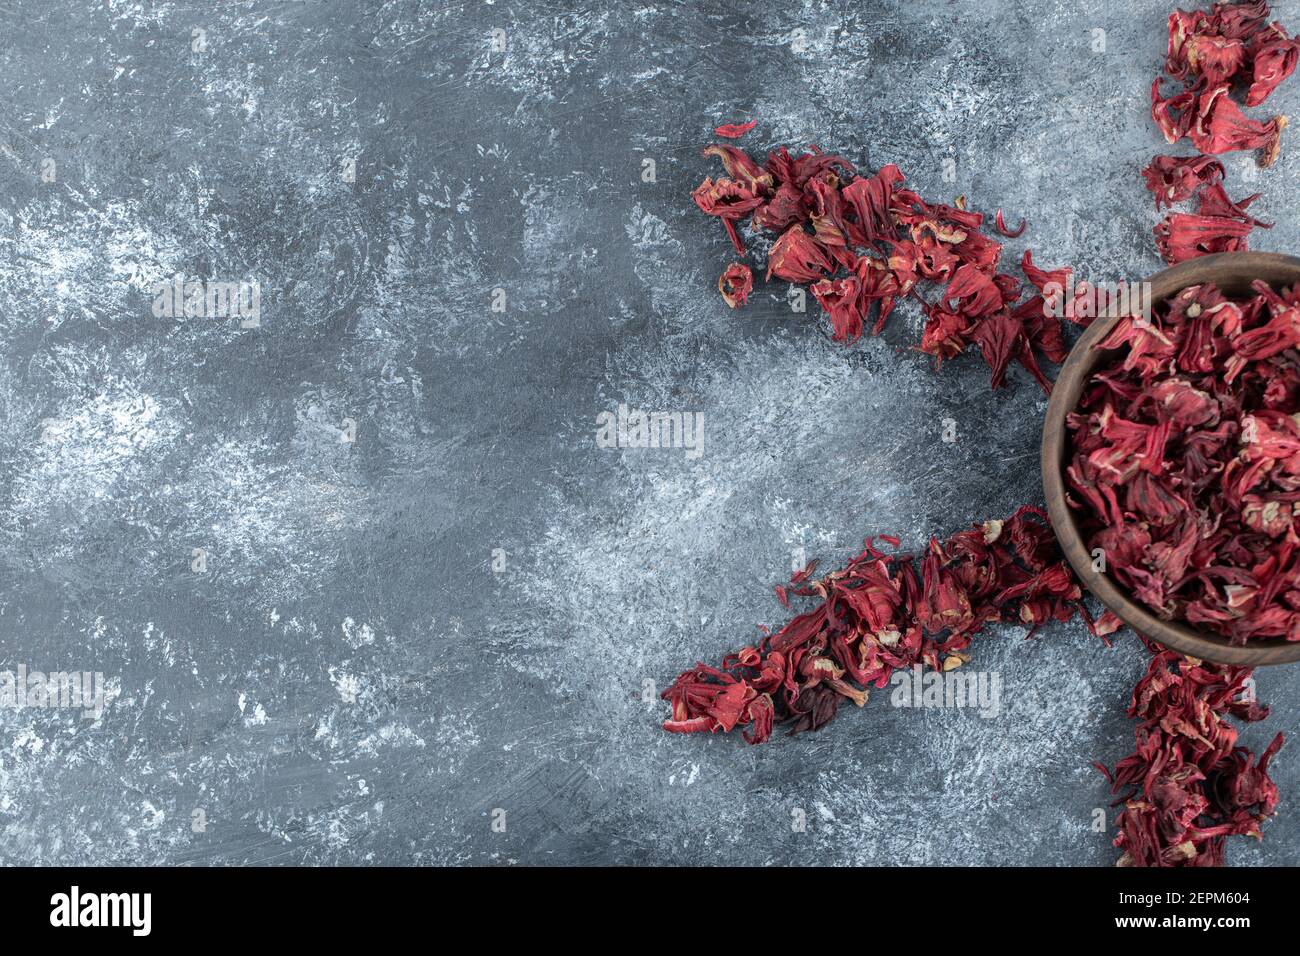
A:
(1241, 20)
(870, 197)
(785, 207)
(799, 169)
(1172, 114)
(1215, 202)
(999, 339)
(796, 257)
(1215, 58)
(1181, 236)
(826, 214)
(1172, 180)
(946, 333)
(977, 292)
(1221, 127)
(735, 284)
(729, 201)
(1274, 56)
(735, 130)
(1182, 26)
(742, 168)
(839, 297)
(725, 198)
(1000, 224)
(876, 283)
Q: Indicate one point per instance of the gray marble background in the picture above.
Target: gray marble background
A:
(350, 681)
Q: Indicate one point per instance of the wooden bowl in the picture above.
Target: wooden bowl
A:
(1233, 273)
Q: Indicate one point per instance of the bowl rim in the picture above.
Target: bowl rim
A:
(1231, 270)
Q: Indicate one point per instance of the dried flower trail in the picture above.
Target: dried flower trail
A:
(877, 616)
(863, 242)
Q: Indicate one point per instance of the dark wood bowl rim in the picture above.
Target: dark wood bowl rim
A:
(1233, 273)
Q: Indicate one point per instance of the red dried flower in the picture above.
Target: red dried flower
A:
(840, 299)
(741, 168)
(1174, 127)
(796, 257)
(1000, 338)
(876, 283)
(1215, 202)
(1214, 46)
(1215, 58)
(1241, 20)
(1000, 224)
(975, 291)
(946, 333)
(826, 213)
(729, 201)
(1181, 236)
(1181, 27)
(870, 197)
(1172, 180)
(1051, 283)
(735, 130)
(799, 169)
(928, 258)
(1220, 126)
(1275, 55)
(786, 207)
(735, 284)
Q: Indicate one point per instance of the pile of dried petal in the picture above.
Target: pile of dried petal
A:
(1219, 224)
(1188, 785)
(1207, 53)
(860, 242)
(1185, 461)
(876, 616)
